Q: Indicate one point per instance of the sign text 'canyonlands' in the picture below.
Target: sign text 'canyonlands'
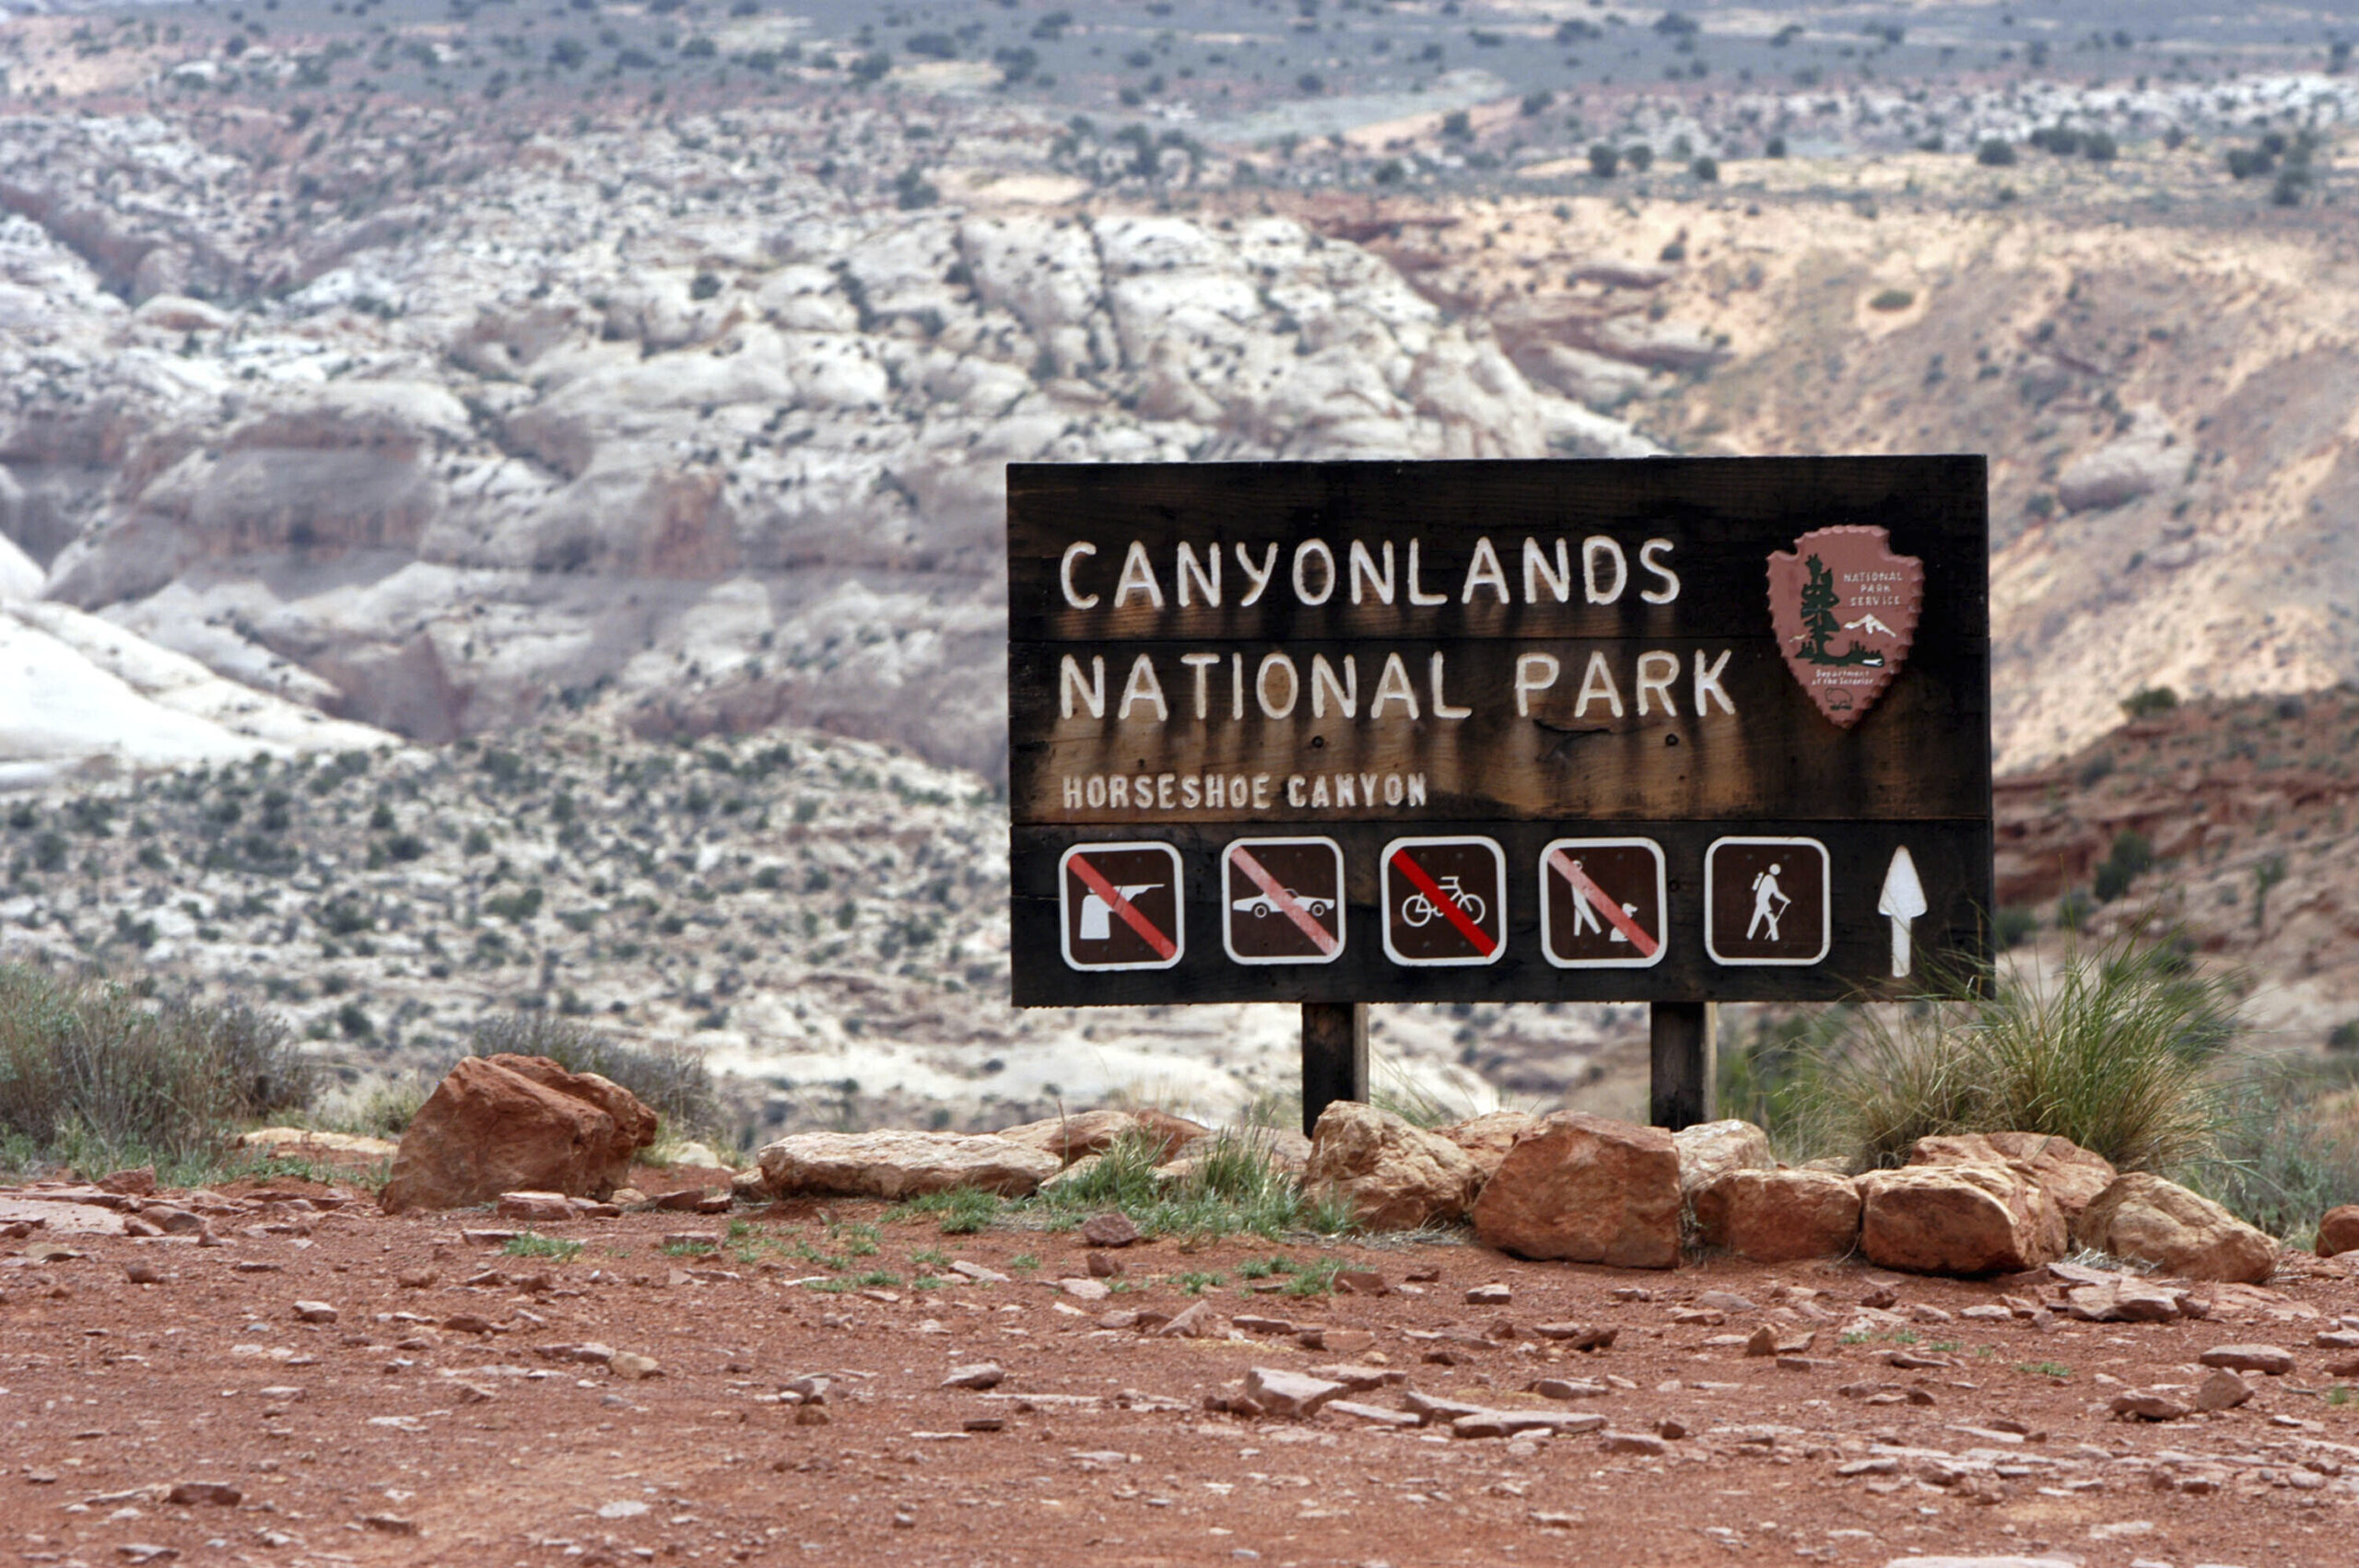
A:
(1692, 729)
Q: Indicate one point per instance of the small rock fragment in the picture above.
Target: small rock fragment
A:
(1108, 1230)
(631, 1366)
(1632, 1442)
(980, 1375)
(2274, 1360)
(2223, 1390)
(1577, 1336)
(190, 1494)
(1376, 1415)
(315, 1312)
(1492, 1295)
(1196, 1321)
(2137, 1404)
(1290, 1395)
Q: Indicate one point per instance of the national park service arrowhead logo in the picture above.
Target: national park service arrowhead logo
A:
(1844, 607)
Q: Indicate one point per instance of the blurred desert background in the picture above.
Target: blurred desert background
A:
(501, 502)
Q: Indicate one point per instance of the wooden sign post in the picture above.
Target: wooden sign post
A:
(1680, 731)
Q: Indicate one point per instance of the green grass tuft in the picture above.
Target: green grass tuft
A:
(962, 1210)
(533, 1245)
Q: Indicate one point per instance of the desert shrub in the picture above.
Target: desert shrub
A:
(2283, 1157)
(386, 1110)
(2148, 701)
(2343, 1037)
(2015, 925)
(1995, 154)
(673, 1080)
(1775, 1080)
(1893, 299)
(91, 1074)
(2114, 1048)
(1604, 161)
(2132, 854)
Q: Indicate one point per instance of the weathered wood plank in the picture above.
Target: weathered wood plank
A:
(1953, 859)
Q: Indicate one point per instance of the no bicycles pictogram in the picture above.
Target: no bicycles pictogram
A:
(1444, 901)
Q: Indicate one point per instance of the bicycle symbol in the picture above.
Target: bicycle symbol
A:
(1417, 910)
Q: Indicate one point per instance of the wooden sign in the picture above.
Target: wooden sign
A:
(1694, 730)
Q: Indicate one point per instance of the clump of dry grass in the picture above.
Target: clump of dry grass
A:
(2115, 1049)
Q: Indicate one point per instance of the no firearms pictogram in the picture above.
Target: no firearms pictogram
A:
(1120, 906)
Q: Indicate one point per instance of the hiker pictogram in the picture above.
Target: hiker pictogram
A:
(1120, 905)
(1444, 901)
(1283, 900)
(1602, 903)
(1767, 901)
(1770, 901)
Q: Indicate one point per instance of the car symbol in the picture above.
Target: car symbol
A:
(1260, 905)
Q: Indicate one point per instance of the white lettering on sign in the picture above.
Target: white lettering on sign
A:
(1237, 791)
(1377, 575)
(1222, 685)
(1378, 571)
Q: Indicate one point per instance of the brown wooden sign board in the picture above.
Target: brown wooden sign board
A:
(1682, 729)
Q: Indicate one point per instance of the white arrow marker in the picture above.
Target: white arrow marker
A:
(1901, 901)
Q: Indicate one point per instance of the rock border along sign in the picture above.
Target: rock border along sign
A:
(1666, 655)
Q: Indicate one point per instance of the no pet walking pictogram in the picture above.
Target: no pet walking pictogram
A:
(1120, 906)
(1602, 903)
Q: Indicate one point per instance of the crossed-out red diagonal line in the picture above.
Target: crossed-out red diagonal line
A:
(1584, 888)
(1164, 946)
(1475, 935)
(1320, 937)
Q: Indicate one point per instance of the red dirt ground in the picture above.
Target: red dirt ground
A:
(364, 1440)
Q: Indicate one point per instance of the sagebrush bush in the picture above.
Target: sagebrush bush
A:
(673, 1080)
(91, 1071)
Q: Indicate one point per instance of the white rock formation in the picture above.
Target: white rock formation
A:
(554, 443)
